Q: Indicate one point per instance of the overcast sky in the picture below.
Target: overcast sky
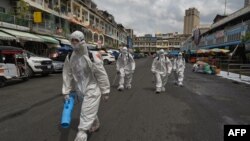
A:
(164, 16)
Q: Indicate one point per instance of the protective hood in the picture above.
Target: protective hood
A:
(78, 35)
(124, 51)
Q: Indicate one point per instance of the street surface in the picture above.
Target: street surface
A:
(31, 111)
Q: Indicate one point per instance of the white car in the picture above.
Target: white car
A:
(38, 65)
(57, 66)
(108, 58)
(98, 53)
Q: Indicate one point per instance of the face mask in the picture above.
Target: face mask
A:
(124, 52)
(76, 47)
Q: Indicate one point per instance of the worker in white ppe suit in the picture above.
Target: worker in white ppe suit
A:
(179, 67)
(125, 67)
(161, 69)
(89, 80)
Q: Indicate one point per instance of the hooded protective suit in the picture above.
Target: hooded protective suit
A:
(125, 66)
(161, 68)
(179, 67)
(89, 79)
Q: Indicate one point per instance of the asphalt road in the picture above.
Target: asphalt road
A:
(31, 111)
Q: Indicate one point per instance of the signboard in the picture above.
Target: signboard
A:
(196, 35)
(37, 17)
(129, 42)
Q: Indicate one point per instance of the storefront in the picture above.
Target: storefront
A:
(28, 41)
(6, 39)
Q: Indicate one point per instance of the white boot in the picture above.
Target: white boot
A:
(128, 87)
(81, 136)
(163, 89)
(120, 88)
(180, 84)
(158, 90)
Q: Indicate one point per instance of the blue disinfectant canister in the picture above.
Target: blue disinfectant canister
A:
(67, 110)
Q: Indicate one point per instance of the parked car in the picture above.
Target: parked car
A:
(13, 64)
(114, 52)
(57, 66)
(38, 65)
(108, 58)
(62, 53)
(94, 52)
(137, 55)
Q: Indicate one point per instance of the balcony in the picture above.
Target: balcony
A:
(49, 6)
(45, 27)
(10, 19)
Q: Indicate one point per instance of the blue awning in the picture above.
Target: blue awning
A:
(174, 53)
(221, 45)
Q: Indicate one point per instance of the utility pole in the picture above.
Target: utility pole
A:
(225, 11)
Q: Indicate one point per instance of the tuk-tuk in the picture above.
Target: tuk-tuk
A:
(13, 64)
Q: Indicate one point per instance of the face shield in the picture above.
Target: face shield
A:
(161, 54)
(75, 43)
(124, 51)
(76, 39)
(179, 56)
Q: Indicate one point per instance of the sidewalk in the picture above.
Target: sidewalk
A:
(235, 77)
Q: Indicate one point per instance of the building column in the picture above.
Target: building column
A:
(59, 4)
(103, 40)
(93, 36)
(43, 4)
(81, 12)
(71, 7)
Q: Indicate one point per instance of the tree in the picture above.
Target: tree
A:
(246, 38)
(137, 50)
(23, 9)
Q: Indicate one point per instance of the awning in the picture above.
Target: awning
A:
(174, 53)
(64, 41)
(49, 39)
(5, 36)
(23, 35)
(221, 45)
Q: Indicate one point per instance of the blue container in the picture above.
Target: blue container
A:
(67, 111)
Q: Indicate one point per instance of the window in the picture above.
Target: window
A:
(85, 15)
(104, 54)
(1, 58)
(2, 9)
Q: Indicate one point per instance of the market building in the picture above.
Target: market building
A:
(227, 32)
(230, 32)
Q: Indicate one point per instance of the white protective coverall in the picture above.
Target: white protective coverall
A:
(161, 68)
(179, 67)
(125, 66)
(89, 80)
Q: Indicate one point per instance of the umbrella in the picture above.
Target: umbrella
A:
(217, 50)
(173, 53)
(225, 50)
(200, 51)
